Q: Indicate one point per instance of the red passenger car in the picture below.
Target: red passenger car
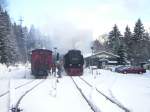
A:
(41, 62)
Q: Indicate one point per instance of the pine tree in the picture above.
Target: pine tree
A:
(31, 39)
(20, 36)
(138, 34)
(138, 44)
(121, 54)
(127, 42)
(4, 32)
(8, 50)
(97, 46)
(13, 47)
(114, 39)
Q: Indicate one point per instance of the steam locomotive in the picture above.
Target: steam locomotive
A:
(41, 62)
(73, 63)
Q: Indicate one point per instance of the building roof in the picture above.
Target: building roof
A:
(102, 54)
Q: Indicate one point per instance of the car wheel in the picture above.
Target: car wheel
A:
(140, 72)
(125, 72)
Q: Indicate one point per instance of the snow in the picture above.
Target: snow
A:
(67, 98)
(4, 100)
(129, 90)
(18, 71)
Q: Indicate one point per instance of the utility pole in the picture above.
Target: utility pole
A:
(92, 48)
(26, 53)
(21, 21)
(55, 48)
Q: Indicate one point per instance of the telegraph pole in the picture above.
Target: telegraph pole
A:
(26, 58)
(55, 48)
(92, 48)
(21, 21)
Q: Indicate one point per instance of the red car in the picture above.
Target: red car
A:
(132, 69)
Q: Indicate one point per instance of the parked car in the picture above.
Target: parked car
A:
(131, 69)
(147, 66)
(119, 68)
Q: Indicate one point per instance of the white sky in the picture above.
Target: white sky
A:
(99, 16)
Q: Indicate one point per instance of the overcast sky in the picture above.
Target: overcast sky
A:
(98, 16)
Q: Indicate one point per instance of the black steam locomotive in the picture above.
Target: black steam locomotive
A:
(73, 63)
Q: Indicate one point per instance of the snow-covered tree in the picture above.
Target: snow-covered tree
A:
(97, 46)
(31, 42)
(114, 39)
(127, 42)
(4, 32)
(122, 55)
(36, 39)
(20, 36)
(139, 31)
(139, 43)
(8, 48)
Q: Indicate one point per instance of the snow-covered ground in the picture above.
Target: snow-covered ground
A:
(4, 99)
(130, 90)
(17, 72)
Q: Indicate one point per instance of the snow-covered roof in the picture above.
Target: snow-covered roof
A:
(112, 62)
(100, 54)
(87, 55)
(108, 53)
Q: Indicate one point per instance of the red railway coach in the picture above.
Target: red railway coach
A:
(41, 62)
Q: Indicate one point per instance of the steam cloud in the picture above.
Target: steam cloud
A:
(66, 37)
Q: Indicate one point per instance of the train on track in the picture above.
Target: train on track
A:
(73, 63)
(41, 62)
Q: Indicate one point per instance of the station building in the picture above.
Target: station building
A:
(101, 59)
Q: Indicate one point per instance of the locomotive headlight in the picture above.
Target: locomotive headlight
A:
(70, 64)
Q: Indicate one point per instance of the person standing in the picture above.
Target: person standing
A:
(60, 68)
(54, 69)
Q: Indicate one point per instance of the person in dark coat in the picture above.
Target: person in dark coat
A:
(54, 69)
(59, 67)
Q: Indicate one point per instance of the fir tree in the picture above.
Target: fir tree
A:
(127, 42)
(114, 39)
(121, 54)
(31, 39)
(20, 35)
(4, 32)
(138, 34)
(138, 43)
(97, 46)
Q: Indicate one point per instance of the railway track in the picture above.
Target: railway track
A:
(5, 93)
(16, 107)
(80, 90)
(95, 109)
